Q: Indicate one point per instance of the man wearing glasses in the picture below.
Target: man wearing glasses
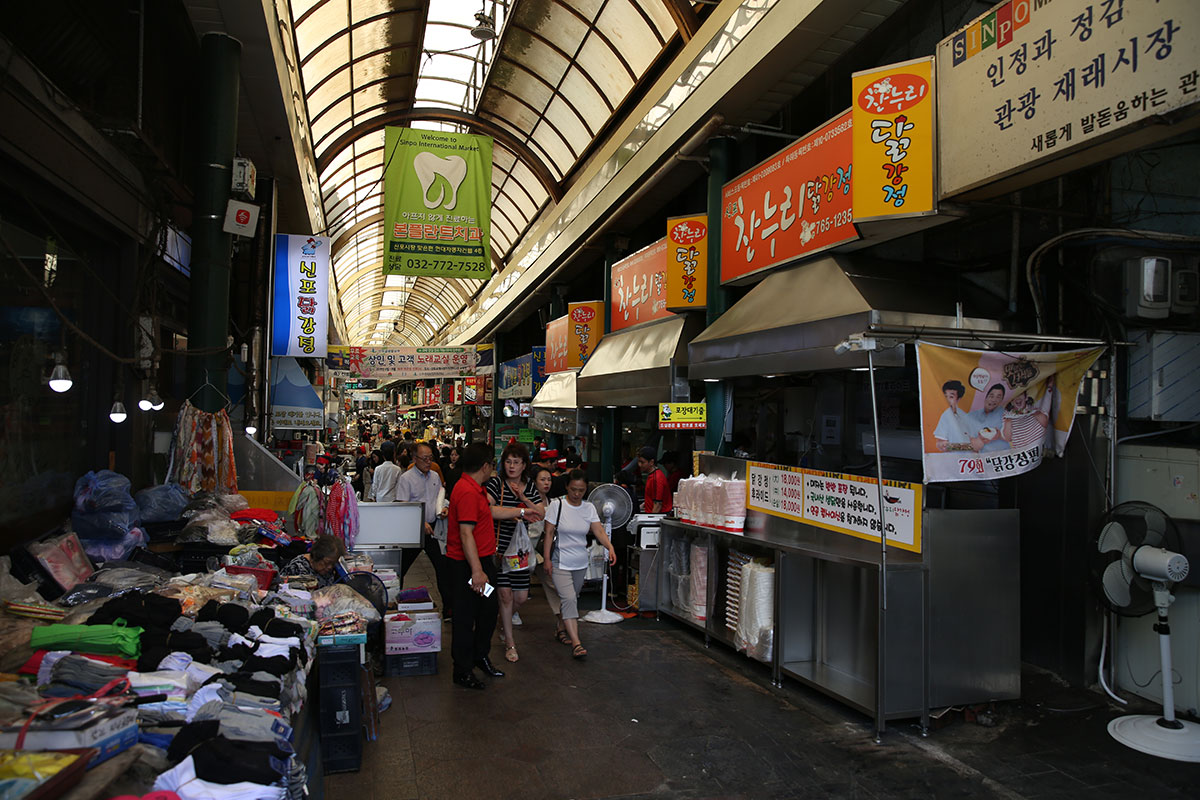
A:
(420, 484)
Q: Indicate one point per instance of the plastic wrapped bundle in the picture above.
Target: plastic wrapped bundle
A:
(756, 620)
(162, 503)
(733, 506)
(699, 581)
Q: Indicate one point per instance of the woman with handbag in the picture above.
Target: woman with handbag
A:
(569, 520)
(515, 501)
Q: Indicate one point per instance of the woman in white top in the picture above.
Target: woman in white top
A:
(568, 522)
(543, 479)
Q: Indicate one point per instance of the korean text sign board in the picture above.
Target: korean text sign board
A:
(556, 345)
(300, 301)
(1031, 80)
(402, 362)
(894, 139)
(687, 262)
(847, 504)
(639, 287)
(796, 203)
(682, 416)
(571, 339)
(516, 377)
(539, 369)
(987, 414)
(437, 204)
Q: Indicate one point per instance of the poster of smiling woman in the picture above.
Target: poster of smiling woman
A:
(988, 414)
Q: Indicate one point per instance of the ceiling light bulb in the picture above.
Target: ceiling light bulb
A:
(60, 379)
(485, 28)
(712, 380)
(156, 402)
(251, 430)
(144, 404)
(118, 413)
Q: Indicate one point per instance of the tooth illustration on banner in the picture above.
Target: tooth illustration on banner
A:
(429, 167)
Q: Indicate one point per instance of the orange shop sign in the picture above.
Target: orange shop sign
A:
(687, 262)
(893, 137)
(796, 203)
(639, 287)
(584, 331)
(571, 339)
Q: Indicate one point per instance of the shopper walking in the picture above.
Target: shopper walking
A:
(568, 522)
(422, 484)
(471, 547)
(383, 484)
(537, 530)
(514, 500)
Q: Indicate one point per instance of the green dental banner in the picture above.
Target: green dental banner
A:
(437, 203)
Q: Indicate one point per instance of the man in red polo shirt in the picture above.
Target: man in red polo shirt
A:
(470, 546)
(658, 492)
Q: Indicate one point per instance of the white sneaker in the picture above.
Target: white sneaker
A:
(516, 618)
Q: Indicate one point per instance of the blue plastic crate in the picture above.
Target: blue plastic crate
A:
(342, 752)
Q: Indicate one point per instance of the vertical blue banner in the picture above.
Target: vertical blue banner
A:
(300, 297)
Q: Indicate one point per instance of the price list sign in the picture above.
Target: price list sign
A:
(847, 504)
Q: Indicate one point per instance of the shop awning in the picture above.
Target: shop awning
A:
(793, 319)
(294, 403)
(554, 407)
(635, 367)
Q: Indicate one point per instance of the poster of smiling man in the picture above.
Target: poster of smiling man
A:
(987, 414)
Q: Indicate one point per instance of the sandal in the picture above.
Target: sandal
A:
(563, 636)
(578, 652)
(510, 654)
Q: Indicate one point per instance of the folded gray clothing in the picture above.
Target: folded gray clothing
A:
(267, 677)
(254, 725)
(149, 717)
(84, 673)
(182, 624)
(247, 700)
(216, 634)
(228, 667)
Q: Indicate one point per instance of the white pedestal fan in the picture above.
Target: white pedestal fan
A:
(614, 508)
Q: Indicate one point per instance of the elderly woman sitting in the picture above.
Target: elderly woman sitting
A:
(319, 562)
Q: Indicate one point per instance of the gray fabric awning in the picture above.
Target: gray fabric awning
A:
(635, 367)
(554, 409)
(793, 319)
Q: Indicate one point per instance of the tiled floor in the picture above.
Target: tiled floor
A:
(652, 713)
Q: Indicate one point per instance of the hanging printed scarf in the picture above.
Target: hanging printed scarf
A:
(201, 457)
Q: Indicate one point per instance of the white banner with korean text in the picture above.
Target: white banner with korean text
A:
(405, 363)
(300, 296)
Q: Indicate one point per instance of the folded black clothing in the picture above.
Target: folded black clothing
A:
(237, 652)
(234, 617)
(208, 612)
(152, 612)
(282, 629)
(157, 645)
(226, 761)
(262, 617)
(244, 682)
(276, 665)
(191, 736)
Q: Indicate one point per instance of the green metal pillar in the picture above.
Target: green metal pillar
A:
(468, 423)
(208, 308)
(721, 156)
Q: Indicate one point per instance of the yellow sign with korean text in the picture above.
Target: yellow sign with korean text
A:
(687, 262)
(682, 416)
(894, 141)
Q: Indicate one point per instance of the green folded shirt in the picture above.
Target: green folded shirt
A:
(116, 640)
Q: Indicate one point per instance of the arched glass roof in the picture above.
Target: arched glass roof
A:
(545, 90)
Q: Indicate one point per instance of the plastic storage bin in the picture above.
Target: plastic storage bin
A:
(410, 664)
(342, 752)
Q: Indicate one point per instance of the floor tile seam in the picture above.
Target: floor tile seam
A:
(933, 750)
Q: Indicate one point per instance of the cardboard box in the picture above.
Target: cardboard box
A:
(342, 638)
(412, 632)
(110, 734)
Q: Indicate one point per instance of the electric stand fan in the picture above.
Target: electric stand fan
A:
(615, 508)
(1138, 572)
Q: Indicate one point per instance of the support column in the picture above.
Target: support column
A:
(721, 163)
(608, 417)
(208, 308)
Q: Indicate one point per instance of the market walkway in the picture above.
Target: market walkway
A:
(651, 713)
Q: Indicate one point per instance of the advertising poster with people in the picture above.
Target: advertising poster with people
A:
(987, 414)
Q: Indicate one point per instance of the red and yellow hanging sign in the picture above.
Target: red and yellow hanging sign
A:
(894, 137)
(794, 204)
(639, 287)
(571, 339)
(687, 262)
